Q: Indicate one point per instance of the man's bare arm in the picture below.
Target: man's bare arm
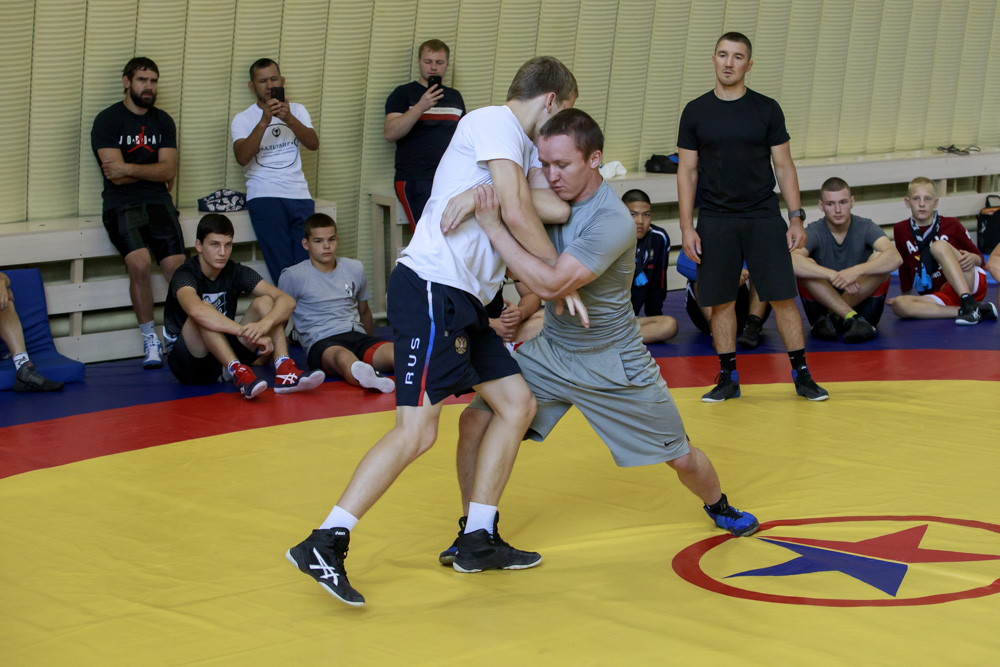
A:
(518, 212)
(687, 184)
(367, 320)
(788, 183)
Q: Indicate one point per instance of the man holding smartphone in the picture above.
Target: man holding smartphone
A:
(420, 118)
(266, 139)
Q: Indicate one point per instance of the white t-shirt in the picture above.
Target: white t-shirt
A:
(464, 258)
(276, 169)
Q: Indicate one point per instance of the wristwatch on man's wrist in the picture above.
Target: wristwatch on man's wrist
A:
(800, 214)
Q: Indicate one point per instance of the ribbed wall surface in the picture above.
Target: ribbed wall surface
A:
(853, 76)
(55, 96)
(16, 18)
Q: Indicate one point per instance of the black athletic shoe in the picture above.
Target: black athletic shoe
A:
(859, 330)
(825, 328)
(750, 338)
(321, 556)
(447, 556)
(478, 551)
(27, 379)
(805, 386)
(968, 313)
(727, 386)
(987, 311)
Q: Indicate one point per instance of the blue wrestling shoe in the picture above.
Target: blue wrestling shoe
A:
(736, 522)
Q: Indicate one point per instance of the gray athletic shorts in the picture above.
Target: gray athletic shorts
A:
(619, 390)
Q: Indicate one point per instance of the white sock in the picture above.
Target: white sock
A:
(20, 359)
(480, 518)
(147, 329)
(277, 362)
(339, 518)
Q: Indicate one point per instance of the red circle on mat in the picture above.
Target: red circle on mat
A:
(687, 564)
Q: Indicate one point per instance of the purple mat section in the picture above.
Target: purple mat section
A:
(121, 384)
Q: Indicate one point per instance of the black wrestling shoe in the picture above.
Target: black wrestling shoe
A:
(750, 338)
(27, 379)
(727, 386)
(987, 311)
(859, 330)
(478, 551)
(825, 328)
(968, 313)
(321, 556)
(806, 387)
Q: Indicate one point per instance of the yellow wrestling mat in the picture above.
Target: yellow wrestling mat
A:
(174, 555)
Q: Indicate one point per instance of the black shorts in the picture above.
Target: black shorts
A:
(361, 346)
(728, 242)
(189, 369)
(443, 341)
(870, 309)
(152, 226)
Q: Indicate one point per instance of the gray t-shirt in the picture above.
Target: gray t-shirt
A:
(600, 233)
(327, 303)
(857, 247)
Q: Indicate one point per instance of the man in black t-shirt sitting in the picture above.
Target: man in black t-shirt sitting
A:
(420, 119)
(726, 142)
(204, 339)
(136, 147)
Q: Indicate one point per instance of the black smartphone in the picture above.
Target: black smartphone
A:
(433, 80)
(278, 93)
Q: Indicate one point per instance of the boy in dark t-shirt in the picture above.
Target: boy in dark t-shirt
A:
(727, 140)
(843, 272)
(203, 338)
(940, 263)
(421, 119)
(652, 256)
(136, 147)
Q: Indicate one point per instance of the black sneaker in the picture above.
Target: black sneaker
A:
(987, 311)
(968, 313)
(859, 330)
(750, 338)
(321, 556)
(27, 379)
(825, 328)
(727, 386)
(807, 387)
(478, 551)
(447, 556)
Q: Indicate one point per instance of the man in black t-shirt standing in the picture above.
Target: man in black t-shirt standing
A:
(420, 119)
(204, 340)
(727, 140)
(136, 147)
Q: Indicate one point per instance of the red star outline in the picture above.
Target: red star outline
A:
(901, 547)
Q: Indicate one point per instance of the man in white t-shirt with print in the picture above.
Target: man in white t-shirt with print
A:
(442, 338)
(266, 140)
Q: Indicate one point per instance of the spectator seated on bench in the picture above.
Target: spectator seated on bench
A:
(26, 330)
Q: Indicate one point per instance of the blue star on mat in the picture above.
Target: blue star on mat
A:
(879, 562)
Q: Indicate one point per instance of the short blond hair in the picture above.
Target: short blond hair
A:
(921, 181)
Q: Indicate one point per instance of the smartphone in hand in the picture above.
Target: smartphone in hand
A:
(278, 93)
(433, 80)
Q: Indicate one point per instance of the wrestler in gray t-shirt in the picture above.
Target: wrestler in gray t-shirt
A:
(857, 247)
(327, 303)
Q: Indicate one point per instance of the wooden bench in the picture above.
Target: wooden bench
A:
(83, 239)
(859, 171)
